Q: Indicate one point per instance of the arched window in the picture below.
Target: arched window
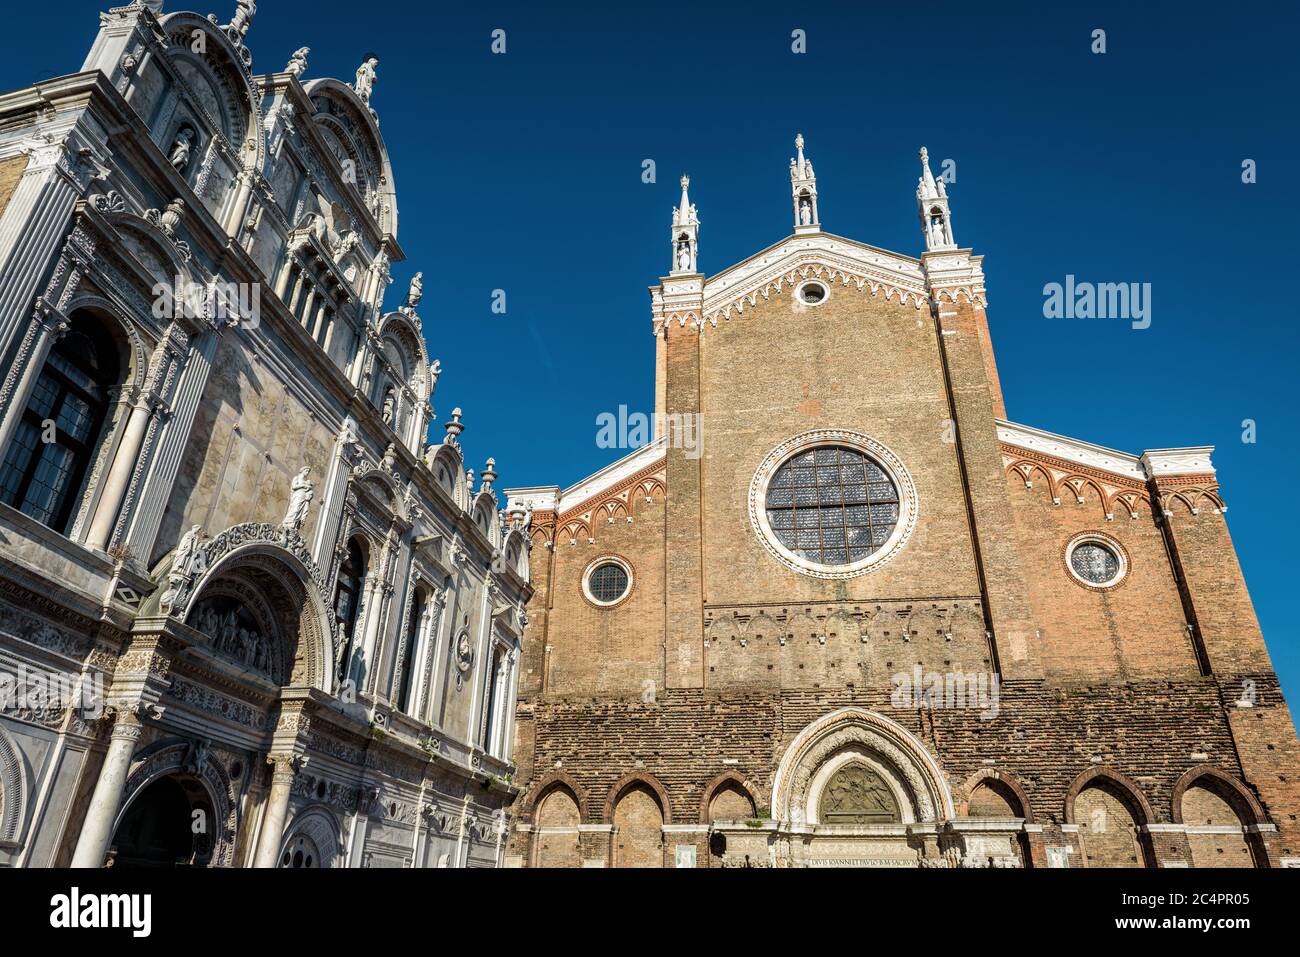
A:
(67, 407)
(408, 653)
(347, 596)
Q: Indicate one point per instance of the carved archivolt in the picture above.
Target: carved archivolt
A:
(318, 827)
(175, 756)
(13, 791)
(855, 734)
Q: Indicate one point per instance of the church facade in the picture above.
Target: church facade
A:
(843, 612)
(248, 615)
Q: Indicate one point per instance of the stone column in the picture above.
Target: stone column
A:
(97, 829)
(286, 766)
(47, 327)
(119, 474)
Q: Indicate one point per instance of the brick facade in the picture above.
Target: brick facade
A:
(1134, 724)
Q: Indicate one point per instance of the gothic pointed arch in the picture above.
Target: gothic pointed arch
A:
(630, 780)
(735, 784)
(897, 769)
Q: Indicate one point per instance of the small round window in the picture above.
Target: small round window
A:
(1095, 561)
(812, 293)
(608, 581)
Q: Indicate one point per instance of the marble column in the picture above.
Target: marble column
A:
(119, 475)
(97, 830)
(277, 808)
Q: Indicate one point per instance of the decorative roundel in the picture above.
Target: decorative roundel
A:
(607, 581)
(832, 504)
(812, 293)
(1095, 560)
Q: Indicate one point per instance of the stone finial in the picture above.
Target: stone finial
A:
(171, 216)
(489, 474)
(454, 427)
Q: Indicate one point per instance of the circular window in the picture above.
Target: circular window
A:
(607, 581)
(832, 504)
(1095, 561)
(812, 293)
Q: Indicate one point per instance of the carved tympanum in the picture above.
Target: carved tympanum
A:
(857, 795)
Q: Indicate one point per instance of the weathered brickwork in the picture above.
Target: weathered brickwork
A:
(999, 700)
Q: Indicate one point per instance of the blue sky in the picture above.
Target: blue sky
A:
(522, 172)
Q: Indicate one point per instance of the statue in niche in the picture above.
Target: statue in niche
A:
(684, 256)
(297, 64)
(390, 407)
(300, 496)
(365, 84)
(937, 237)
(179, 156)
(805, 212)
(415, 293)
(857, 795)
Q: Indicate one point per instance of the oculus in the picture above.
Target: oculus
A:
(832, 504)
(1095, 560)
(607, 581)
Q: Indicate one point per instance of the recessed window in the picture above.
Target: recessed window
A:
(832, 504)
(1095, 561)
(812, 293)
(608, 581)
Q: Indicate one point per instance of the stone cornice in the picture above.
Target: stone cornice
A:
(1067, 452)
(635, 465)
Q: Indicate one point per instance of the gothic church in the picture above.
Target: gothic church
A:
(876, 622)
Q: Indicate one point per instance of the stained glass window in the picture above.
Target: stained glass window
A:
(1094, 563)
(832, 505)
(608, 582)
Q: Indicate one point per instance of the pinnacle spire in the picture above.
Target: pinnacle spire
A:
(932, 208)
(803, 190)
(685, 235)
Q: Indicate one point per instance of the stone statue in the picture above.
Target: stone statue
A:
(365, 84)
(185, 549)
(415, 293)
(805, 212)
(297, 64)
(243, 19)
(684, 257)
(937, 237)
(300, 496)
(180, 153)
(390, 403)
(435, 370)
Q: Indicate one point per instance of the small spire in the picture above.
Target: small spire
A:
(932, 208)
(685, 233)
(803, 190)
(489, 474)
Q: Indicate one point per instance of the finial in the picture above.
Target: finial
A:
(489, 474)
(454, 427)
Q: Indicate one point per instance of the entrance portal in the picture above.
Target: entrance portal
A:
(169, 824)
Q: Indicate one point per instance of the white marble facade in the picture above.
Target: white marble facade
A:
(248, 615)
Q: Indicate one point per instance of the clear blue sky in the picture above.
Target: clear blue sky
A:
(522, 172)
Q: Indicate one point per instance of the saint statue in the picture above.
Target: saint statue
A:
(435, 370)
(180, 153)
(365, 84)
(185, 549)
(297, 65)
(805, 213)
(300, 496)
(937, 237)
(390, 402)
(684, 257)
(415, 293)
